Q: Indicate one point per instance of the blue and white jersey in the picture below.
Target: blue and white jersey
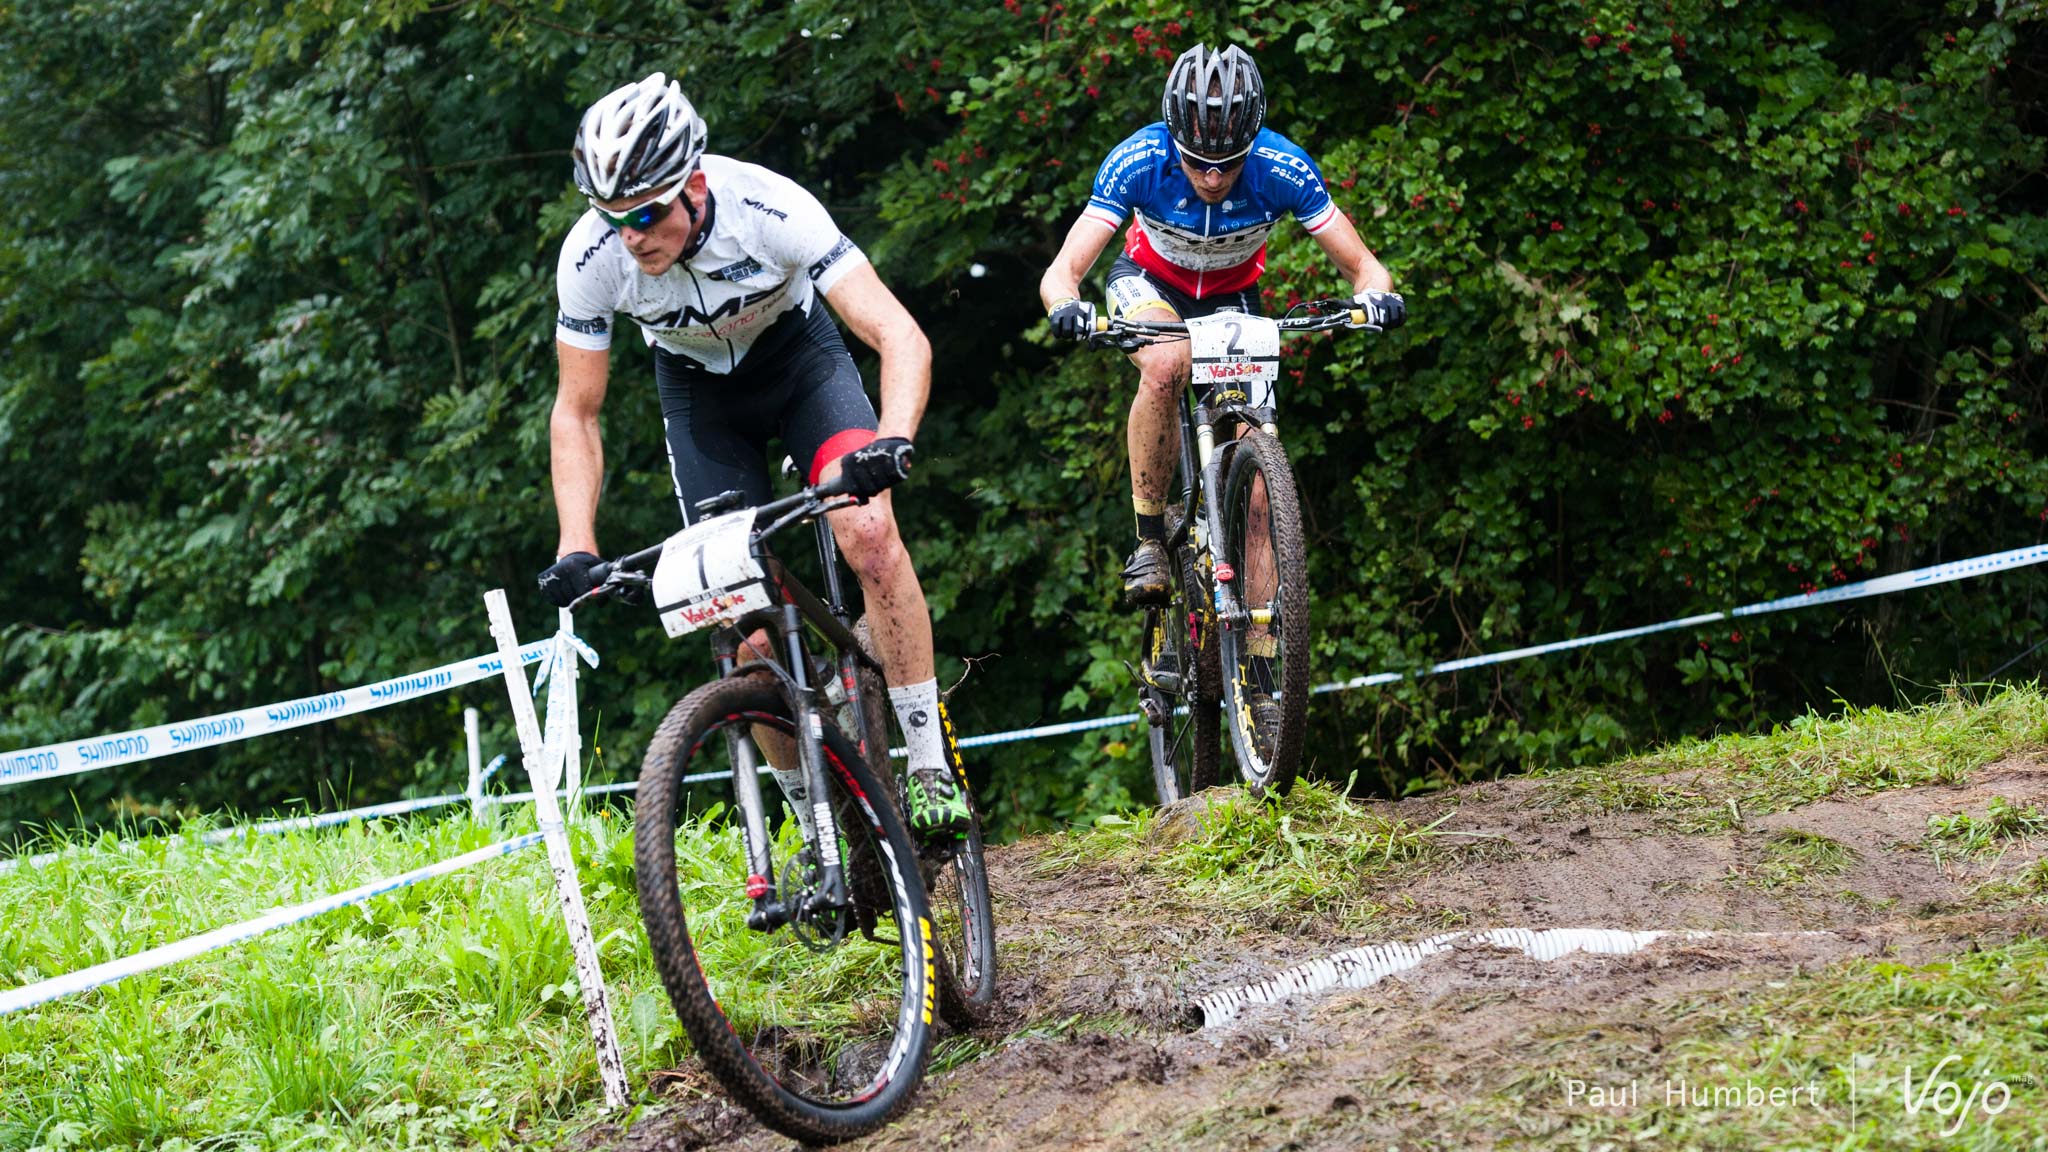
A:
(1200, 248)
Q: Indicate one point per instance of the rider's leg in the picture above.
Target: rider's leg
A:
(827, 417)
(1152, 438)
(902, 627)
(1152, 433)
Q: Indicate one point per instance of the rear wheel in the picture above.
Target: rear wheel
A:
(1180, 710)
(1265, 647)
(816, 1016)
(955, 876)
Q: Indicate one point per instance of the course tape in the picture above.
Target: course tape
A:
(1897, 582)
(100, 975)
(1364, 967)
(94, 753)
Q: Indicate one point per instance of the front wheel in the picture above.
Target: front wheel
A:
(1265, 642)
(814, 1013)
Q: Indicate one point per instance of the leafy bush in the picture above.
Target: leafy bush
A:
(1710, 304)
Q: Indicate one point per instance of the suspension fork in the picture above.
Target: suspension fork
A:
(810, 744)
(1197, 441)
(1224, 585)
(746, 786)
(848, 665)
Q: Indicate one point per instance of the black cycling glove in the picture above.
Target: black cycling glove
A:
(1072, 319)
(878, 467)
(1385, 309)
(567, 578)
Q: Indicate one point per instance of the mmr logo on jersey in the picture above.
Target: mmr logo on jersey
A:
(688, 316)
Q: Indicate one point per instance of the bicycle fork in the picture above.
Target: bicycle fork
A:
(820, 826)
(1231, 615)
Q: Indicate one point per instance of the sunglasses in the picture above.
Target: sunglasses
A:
(640, 217)
(1202, 164)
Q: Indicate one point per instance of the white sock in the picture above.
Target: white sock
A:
(917, 710)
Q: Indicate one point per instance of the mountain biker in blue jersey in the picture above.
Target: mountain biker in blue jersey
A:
(1201, 188)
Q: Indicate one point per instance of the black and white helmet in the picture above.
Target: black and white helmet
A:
(642, 136)
(1214, 102)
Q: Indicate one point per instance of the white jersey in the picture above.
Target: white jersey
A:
(771, 248)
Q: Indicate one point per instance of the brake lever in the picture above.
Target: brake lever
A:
(613, 583)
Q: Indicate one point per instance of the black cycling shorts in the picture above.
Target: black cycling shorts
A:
(802, 390)
(1129, 290)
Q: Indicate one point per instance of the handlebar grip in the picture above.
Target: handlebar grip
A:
(1101, 324)
(1359, 318)
(599, 573)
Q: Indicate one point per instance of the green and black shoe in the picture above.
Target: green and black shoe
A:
(938, 808)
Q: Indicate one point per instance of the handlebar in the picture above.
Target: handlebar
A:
(810, 502)
(1323, 316)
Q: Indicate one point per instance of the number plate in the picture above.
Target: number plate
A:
(1235, 351)
(707, 576)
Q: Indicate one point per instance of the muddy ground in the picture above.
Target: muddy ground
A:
(1097, 1047)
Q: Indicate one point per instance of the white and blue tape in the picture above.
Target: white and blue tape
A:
(1897, 582)
(95, 753)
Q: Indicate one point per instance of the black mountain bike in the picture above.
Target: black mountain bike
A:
(1231, 645)
(802, 938)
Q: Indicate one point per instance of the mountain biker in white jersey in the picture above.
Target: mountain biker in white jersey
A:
(1202, 189)
(727, 294)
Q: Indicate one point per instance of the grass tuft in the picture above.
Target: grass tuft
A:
(1792, 856)
(1310, 852)
(1711, 785)
(1964, 834)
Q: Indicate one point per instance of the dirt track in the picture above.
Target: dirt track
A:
(1096, 1046)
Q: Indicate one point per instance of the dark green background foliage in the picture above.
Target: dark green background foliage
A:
(1710, 304)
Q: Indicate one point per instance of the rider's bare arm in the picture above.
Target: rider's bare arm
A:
(1085, 241)
(872, 312)
(576, 450)
(1353, 259)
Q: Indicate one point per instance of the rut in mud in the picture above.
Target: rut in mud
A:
(1097, 1044)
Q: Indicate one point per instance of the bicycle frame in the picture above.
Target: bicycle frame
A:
(793, 606)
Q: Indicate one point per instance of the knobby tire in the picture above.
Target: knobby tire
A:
(1185, 748)
(779, 1066)
(1257, 455)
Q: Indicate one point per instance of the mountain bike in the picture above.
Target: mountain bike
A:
(793, 930)
(1230, 648)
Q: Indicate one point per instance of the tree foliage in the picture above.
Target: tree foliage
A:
(1711, 303)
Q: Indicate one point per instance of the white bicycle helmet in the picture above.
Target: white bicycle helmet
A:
(1214, 102)
(642, 136)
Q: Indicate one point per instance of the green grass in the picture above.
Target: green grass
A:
(1963, 834)
(1307, 853)
(1792, 856)
(1712, 785)
(442, 1015)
